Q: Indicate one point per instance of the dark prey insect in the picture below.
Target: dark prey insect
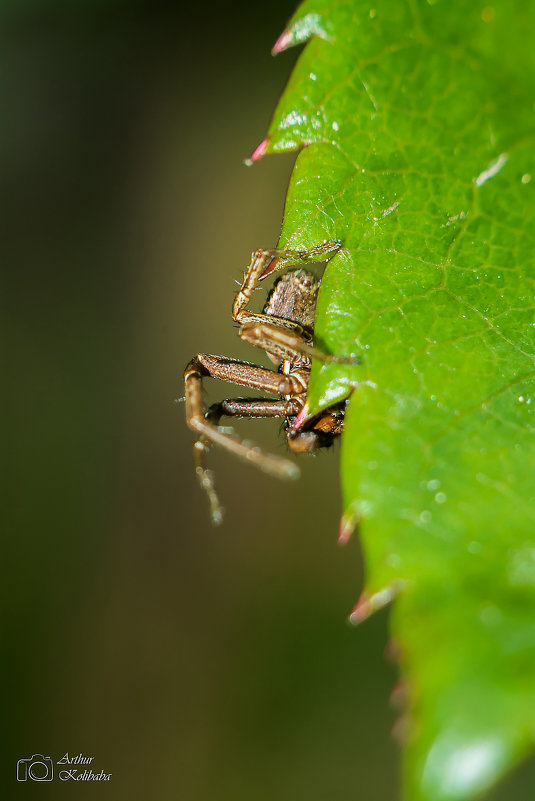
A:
(284, 330)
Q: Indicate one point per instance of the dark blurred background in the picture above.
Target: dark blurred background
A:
(191, 662)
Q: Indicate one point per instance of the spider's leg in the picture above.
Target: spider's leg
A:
(297, 256)
(283, 342)
(247, 407)
(259, 267)
(206, 427)
(206, 480)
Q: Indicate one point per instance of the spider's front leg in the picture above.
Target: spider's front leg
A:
(205, 425)
(284, 328)
(284, 342)
(258, 268)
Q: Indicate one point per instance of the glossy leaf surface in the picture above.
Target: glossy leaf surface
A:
(417, 123)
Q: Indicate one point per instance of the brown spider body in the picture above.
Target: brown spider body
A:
(294, 297)
(284, 330)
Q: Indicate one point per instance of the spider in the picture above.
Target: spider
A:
(284, 330)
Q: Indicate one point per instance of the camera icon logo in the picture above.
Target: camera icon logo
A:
(38, 768)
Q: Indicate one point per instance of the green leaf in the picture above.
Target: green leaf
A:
(416, 121)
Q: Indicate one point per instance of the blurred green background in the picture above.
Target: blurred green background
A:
(191, 662)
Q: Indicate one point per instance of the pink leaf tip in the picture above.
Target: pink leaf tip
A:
(272, 266)
(361, 610)
(368, 604)
(257, 153)
(399, 696)
(348, 524)
(401, 730)
(301, 417)
(283, 42)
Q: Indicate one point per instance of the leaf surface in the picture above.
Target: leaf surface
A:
(415, 122)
